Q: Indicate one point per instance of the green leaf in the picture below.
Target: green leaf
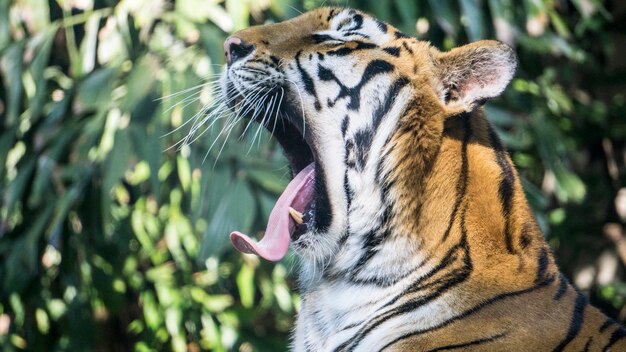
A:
(570, 188)
(11, 72)
(95, 91)
(4, 24)
(116, 164)
(268, 180)
(559, 24)
(7, 140)
(446, 16)
(21, 262)
(184, 172)
(236, 211)
(139, 83)
(535, 197)
(212, 303)
(63, 206)
(245, 284)
(473, 18)
(89, 43)
(408, 13)
(42, 48)
(16, 188)
(151, 312)
(46, 164)
(498, 116)
(239, 11)
(503, 18)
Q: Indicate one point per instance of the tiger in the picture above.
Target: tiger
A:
(405, 209)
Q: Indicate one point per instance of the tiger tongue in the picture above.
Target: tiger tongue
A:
(275, 243)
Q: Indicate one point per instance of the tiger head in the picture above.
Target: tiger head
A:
(352, 101)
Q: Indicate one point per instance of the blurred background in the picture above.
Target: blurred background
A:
(114, 235)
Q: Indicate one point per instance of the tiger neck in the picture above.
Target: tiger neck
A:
(446, 184)
(375, 249)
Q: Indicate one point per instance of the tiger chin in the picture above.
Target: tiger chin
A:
(405, 209)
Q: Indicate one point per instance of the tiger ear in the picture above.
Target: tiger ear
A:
(472, 73)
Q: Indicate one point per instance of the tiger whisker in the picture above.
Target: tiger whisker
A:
(222, 107)
(190, 89)
(252, 119)
(261, 123)
(229, 127)
(202, 111)
(282, 95)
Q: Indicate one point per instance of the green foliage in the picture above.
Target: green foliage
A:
(113, 238)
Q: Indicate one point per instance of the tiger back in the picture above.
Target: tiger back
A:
(405, 209)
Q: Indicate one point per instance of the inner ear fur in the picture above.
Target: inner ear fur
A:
(472, 73)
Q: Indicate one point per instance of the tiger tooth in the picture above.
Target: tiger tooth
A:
(295, 215)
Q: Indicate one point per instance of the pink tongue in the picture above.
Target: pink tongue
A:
(275, 242)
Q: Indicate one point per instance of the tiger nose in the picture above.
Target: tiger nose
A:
(235, 49)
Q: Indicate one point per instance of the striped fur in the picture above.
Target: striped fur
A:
(425, 241)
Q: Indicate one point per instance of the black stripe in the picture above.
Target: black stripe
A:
(331, 14)
(575, 322)
(375, 67)
(347, 190)
(448, 259)
(381, 25)
(372, 69)
(606, 324)
(461, 185)
(323, 212)
(393, 50)
(472, 311)
(525, 237)
(349, 154)
(506, 189)
(275, 60)
(399, 35)
(320, 38)
(562, 288)
(309, 86)
(344, 125)
(344, 50)
(362, 143)
(407, 47)
(357, 22)
(351, 33)
(617, 335)
(542, 265)
(467, 344)
(390, 96)
(588, 344)
(378, 115)
(371, 242)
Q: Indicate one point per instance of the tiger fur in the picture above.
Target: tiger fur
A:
(420, 237)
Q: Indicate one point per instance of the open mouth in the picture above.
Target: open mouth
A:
(294, 213)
